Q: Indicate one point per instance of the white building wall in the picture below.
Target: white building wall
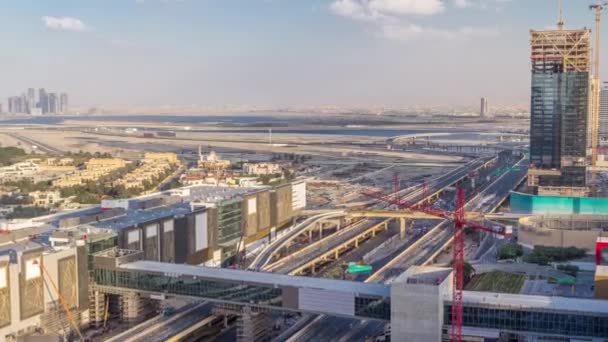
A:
(298, 193)
(417, 310)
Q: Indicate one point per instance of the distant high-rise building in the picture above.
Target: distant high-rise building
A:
(603, 128)
(43, 101)
(31, 100)
(559, 108)
(53, 103)
(17, 104)
(63, 103)
(24, 104)
(483, 111)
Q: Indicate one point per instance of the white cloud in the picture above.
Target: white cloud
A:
(481, 4)
(63, 23)
(462, 3)
(406, 7)
(393, 18)
(382, 9)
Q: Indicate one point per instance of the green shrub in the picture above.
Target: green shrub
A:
(510, 251)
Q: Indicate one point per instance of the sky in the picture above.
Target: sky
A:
(276, 52)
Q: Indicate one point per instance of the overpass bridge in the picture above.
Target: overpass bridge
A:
(414, 296)
(415, 194)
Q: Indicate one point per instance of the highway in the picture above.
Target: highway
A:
(38, 145)
(163, 327)
(417, 253)
(308, 253)
(486, 200)
(412, 194)
(266, 255)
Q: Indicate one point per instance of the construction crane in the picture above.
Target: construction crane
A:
(460, 222)
(560, 20)
(599, 8)
(44, 273)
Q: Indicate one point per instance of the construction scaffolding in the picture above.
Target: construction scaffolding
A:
(566, 50)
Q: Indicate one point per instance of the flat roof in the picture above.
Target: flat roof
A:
(134, 217)
(259, 278)
(601, 270)
(523, 302)
(214, 194)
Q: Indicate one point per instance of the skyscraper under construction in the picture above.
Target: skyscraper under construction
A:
(560, 94)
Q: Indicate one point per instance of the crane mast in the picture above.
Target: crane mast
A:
(595, 82)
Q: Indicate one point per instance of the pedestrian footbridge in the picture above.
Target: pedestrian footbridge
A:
(267, 290)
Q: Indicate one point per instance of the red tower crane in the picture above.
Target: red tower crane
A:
(460, 222)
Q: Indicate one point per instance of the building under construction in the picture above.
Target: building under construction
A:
(560, 98)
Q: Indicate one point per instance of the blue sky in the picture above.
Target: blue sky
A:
(276, 52)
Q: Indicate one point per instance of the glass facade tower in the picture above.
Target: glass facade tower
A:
(559, 106)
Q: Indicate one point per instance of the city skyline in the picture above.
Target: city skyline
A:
(322, 52)
(37, 103)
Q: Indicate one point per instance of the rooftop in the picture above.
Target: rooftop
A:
(139, 216)
(214, 194)
(259, 278)
(523, 302)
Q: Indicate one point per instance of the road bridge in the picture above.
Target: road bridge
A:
(415, 194)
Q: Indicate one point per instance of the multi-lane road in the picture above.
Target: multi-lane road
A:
(339, 329)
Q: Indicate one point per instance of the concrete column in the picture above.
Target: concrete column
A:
(98, 308)
(253, 326)
(310, 236)
(402, 227)
(321, 231)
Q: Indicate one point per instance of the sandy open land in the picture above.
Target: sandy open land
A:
(306, 144)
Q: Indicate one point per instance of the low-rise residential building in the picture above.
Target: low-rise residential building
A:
(152, 168)
(19, 171)
(264, 168)
(60, 161)
(105, 164)
(161, 156)
(95, 169)
(46, 199)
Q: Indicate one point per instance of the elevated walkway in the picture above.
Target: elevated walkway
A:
(266, 290)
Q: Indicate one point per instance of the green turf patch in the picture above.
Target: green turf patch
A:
(497, 281)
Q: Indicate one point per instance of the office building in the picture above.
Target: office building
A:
(603, 127)
(53, 103)
(560, 61)
(17, 104)
(31, 100)
(63, 103)
(43, 101)
(483, 111)
(25, 108)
